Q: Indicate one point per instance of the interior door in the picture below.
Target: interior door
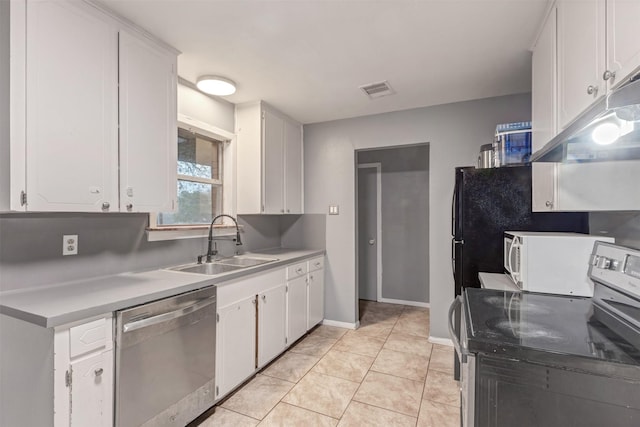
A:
(368, 239)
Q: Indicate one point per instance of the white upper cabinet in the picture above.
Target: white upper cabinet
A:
(273, 163)
(269, 172)
(293, 162)
(623, 43)
(93, 102)
(543, 93)
(71, 108)
(581, 57)
(148, 126)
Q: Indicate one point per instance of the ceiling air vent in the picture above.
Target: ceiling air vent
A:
(377, 90)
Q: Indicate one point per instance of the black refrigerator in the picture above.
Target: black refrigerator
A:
(486, 203)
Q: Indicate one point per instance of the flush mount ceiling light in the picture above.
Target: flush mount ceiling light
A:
(216, 85)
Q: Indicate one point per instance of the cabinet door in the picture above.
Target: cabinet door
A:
(273, 168)
(235, 345)
(271, 324)
(544, 187)
(293, 176)
(71, 108)
(91, 391)
(623, 43)
(581, 56)
(296, 308)
(315, 297)
(543, 94)
(148, 126)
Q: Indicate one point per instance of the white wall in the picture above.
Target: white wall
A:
(454, 132)
(208, 109)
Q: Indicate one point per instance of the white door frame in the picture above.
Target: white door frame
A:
(378, 167)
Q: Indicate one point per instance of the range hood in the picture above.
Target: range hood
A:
(613, 121)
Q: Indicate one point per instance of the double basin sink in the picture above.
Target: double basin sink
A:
(224, 265)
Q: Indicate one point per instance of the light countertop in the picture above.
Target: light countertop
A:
(62, 303)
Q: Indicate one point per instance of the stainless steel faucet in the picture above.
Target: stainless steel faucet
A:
(212, 252)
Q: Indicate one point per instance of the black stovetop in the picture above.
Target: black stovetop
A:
(528, 325)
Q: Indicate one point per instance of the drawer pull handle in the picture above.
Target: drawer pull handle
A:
(98, 372)
(299, 270)
(317, 264)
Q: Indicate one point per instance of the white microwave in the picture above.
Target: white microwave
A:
(547, 262)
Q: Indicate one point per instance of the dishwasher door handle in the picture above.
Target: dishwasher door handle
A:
(164, 317)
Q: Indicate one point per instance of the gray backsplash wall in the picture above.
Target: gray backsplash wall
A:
(623, 226)
(303, 231)
(31, 246)
(405, 220)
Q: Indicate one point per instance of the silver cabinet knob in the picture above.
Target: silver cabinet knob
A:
(282, 210)
(591, 89)
(264, 298)
(129, 206)
(372, 242)
(608, 75)
(548, 204)
(288, 211)
(98, 372)
(105, 206)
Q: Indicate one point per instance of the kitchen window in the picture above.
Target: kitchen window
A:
(200, 183)
(205, 169)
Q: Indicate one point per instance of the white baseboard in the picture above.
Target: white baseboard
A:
(403, 302)
(441, 341)
(346, 325)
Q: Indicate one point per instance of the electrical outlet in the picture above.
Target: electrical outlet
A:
(70, 244)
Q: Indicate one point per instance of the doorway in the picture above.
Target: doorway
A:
(369, 231)
(392, 225)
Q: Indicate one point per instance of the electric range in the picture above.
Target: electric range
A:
(546, 360)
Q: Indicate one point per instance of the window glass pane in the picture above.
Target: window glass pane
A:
(197, 204)
(198, 155)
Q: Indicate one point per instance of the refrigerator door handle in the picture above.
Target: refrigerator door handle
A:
(454, 242)
(453, 213)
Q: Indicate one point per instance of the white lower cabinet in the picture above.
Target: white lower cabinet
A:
(271, 324)
(296, 308)
(90, 390)
(259, 315)
(58, 377)
(235, 344)
(315, 294)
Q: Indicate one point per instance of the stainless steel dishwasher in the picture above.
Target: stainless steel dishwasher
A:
(165, 360)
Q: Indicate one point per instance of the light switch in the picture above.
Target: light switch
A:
(334, 210)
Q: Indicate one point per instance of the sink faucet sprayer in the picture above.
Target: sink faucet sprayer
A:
(210, 251)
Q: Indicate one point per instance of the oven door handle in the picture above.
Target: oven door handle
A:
(462, 355)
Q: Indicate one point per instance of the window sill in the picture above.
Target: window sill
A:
(156, 234)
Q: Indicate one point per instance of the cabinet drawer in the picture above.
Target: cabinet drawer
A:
(296, 270)
(316, 263)
(88, 337)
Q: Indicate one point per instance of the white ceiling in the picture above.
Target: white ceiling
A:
(308, 57)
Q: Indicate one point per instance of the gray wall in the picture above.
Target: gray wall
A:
(623, 226)
(405, 220)
(454, 133)
(303, 231)
(31, 246)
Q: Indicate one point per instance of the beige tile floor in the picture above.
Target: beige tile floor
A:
(385, 373)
